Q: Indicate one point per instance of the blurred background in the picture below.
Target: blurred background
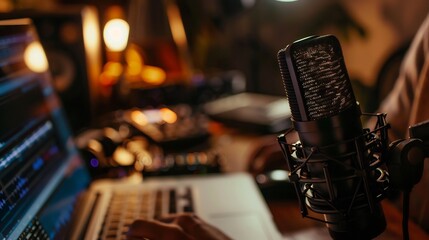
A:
(155, 50)
(176, 56)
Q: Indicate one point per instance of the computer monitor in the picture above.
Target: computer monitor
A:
(37, 154)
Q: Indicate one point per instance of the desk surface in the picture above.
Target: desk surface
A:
(293, 227)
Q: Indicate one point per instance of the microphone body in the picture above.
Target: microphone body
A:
(331, 160)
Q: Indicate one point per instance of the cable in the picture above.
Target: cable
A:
(405, 214)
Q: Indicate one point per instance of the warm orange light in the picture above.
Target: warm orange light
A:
(115, 34)
(106, 79)
(143, 160)
(91, 32)
(134, 62)
(176, 25)
(168, 115)
(144, 157)
(112, 134)
(139, 118)
(35, 58)
(191, 159)
(139, 166)
(123, 157)
(111, 73)
(202, 158)
(137, 144)
(153, 75)
(92, 44)
(95, 146)
(113, 69)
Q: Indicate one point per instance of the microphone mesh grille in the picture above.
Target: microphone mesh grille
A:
(322, 75)
(287, 84)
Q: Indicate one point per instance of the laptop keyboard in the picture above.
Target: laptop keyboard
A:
(127, 206)
(34, 231)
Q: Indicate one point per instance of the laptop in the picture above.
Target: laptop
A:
(46, 191)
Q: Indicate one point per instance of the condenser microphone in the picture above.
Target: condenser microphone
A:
(330, 165)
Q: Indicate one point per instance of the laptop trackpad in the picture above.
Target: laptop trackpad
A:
(240, 226)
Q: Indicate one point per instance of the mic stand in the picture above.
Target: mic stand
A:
(403, 158)
(406, 164)
(345, 211)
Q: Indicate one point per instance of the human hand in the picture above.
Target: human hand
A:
(266, 154)
(184, 226)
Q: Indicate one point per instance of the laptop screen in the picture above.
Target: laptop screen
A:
(37, 157)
